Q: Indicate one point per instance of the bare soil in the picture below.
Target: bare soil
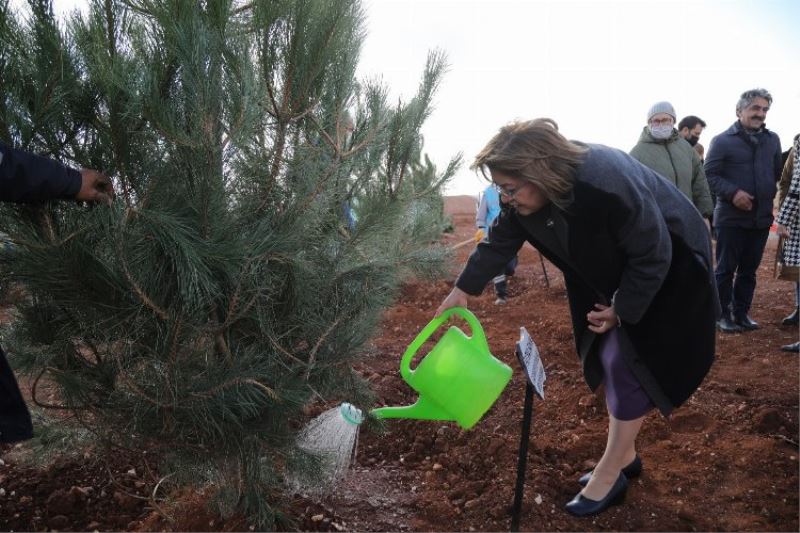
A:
(727, 460)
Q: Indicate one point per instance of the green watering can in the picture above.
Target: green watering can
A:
(459, 379)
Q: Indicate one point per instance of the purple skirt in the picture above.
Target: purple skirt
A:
(625, 397)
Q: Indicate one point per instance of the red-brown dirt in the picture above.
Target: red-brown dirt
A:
(727, 460)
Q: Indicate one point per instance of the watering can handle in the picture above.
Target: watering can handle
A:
(433, 325)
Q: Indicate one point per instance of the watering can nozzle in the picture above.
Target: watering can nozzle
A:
(351, 413)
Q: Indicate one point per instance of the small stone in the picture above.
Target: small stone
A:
(587, 400)
(94, 525)
(472, 503)
(58, 521)
(125, 501)
(437, 466)
(317, 517)
(131, 472)
(2, 492)
(2, 463)
(538, 499)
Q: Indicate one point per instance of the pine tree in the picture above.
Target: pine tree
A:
(226, 288)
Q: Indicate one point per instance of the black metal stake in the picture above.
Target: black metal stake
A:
(522, 460)
(544, 269)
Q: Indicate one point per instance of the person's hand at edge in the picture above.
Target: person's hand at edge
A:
(456, 298)
(95, 187)
(782, 231)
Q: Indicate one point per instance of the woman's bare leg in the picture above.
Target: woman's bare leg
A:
(620, 451)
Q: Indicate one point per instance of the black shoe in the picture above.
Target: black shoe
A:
(726, 325)
(792, 319)
(582, 506)
(746, 323)
(634, 469)
(793, 348)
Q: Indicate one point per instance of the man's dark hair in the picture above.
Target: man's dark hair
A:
(690, 122)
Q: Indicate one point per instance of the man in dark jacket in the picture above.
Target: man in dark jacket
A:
(742, 167)
(28, 178)
(690, 128)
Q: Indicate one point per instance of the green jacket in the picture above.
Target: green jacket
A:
(676, 160)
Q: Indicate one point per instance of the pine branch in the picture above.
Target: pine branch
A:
(312, 355)
(210, 393)
(144, 298)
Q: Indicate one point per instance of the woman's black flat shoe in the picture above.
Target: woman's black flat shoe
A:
(582, 506)
(634, 469)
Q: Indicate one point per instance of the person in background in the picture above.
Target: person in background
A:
(690, 128)
(28, 178)
(743, 167)
(788, 222)
(636, 259)
(488, 209)
(664, 150)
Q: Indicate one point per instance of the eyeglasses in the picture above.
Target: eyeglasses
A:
(662, 121)
(508, 193)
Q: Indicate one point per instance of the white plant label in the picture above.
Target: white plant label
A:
(528, 355)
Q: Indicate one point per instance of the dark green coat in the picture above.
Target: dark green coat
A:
(676, 160)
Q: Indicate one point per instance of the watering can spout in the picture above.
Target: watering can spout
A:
(423, 409)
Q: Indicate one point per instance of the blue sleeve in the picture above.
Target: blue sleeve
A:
(25, 177)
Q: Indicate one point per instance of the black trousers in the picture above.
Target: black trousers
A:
(739, 252)
(15, 420)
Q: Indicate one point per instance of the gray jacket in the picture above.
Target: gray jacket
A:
(631, 237)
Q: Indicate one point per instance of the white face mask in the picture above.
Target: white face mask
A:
(661, 131)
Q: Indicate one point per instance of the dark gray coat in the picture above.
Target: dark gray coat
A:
(633, 238)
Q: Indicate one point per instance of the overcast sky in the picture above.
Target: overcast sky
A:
(595, 66)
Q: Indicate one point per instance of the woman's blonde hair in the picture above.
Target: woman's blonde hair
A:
(536, 152)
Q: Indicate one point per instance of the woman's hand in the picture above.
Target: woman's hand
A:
(782, 231)
(456, 298)
(602, 319)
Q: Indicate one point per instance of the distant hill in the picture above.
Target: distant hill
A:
(460, 205)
